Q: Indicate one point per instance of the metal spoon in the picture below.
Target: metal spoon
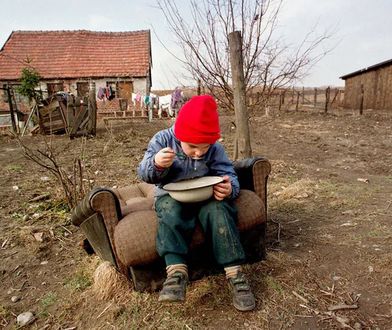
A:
(180, 155)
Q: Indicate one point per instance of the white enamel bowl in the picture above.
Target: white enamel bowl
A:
(193, 190)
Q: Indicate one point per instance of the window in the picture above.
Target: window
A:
(124, 89)
(82, 88)
(53, 88)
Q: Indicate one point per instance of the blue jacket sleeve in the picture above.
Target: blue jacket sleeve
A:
(147, 171)
(221, 165)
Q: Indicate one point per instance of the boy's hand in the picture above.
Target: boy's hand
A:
(223, 189)
(165, 157)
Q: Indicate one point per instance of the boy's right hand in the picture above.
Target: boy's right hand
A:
(165, 157)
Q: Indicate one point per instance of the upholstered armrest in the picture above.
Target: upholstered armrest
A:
(98, 214)
(101, 200)
(86, 208)
(253, 175)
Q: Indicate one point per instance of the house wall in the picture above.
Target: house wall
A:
(104, 105)
(21, 101)
(377, 86)
(140, 85)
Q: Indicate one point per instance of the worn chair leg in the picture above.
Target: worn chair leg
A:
(149, 277)
(254, 243)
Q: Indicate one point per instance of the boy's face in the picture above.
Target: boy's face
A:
(193, 150)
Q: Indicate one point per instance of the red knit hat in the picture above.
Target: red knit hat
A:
(198, 121)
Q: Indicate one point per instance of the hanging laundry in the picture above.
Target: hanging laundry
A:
(138, 97)
(176, 98)
(147, 100)
(112, 94)
(101, 93)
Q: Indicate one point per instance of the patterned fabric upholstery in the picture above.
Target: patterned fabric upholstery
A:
(134, 235)
(121, 223)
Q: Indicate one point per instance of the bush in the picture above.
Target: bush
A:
(29, 80)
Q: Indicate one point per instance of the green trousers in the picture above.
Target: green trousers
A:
(176, 224)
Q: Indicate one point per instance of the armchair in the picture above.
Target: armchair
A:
(121, 225)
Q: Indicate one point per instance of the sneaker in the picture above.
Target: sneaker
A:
(243, 298)
(174, 288)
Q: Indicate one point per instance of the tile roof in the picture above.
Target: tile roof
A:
(77, 54)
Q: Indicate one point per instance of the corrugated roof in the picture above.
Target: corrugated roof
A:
(370, 68)
(75, 54)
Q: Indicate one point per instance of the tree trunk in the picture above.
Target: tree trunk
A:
(240, 109)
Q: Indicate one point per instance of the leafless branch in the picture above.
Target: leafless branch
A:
(72, 181)
(202, 34)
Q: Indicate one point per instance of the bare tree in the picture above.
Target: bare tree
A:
(269, 64)
(71, 178)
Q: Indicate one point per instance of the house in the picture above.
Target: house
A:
(371, 85)
(119, 62)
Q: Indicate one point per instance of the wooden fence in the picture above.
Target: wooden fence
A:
(318, 99)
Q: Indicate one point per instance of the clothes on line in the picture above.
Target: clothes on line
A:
(106, 92)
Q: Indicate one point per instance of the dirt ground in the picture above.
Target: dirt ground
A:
(329, 231)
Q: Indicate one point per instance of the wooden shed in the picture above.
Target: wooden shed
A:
(371, 85)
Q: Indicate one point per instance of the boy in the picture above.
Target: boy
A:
(194, 135)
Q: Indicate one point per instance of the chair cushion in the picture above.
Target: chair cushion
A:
(137, 204)
(128, 193)
(147, 189)
(134, 235)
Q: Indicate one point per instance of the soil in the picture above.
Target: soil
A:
(329, 230)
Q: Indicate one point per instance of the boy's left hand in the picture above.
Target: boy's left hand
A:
(223, 189)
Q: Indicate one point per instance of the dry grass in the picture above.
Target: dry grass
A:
(333, 243)
(300, 189)
(109, 283)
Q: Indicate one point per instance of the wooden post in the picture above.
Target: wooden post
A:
(315, 98)
(198, 86)
(32, 112)
(241, 112)
(292, 95)
(327, 94)
(341, 97)
(296, 104)
(361, 100)
(334, 97)
(12, 114)
(339, 101)
(93, 108)
(280, 100)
